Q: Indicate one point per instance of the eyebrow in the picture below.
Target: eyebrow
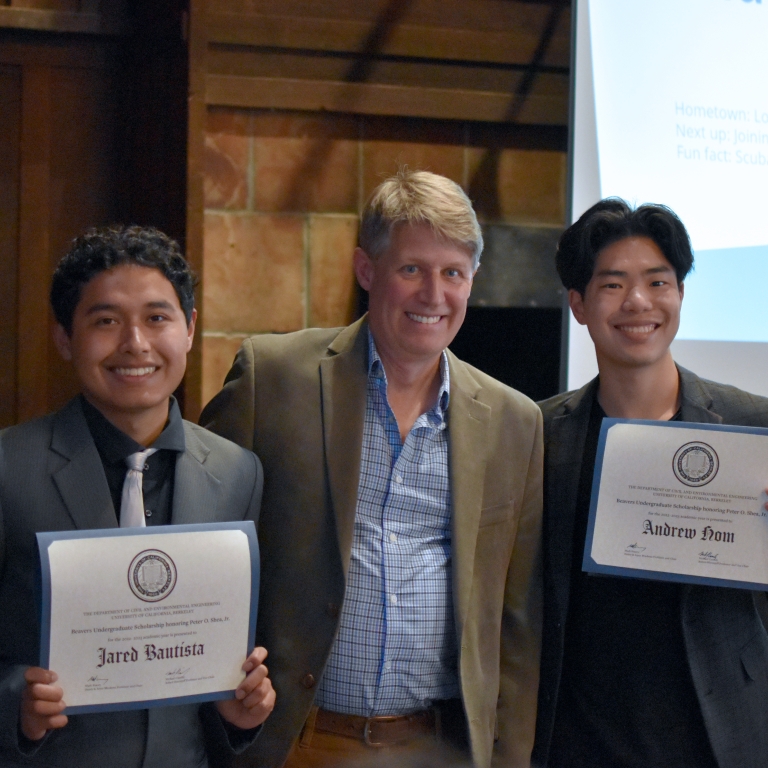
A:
(105, 307)
(619, 273)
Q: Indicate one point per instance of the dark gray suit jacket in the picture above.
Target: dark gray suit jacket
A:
(726, 643)
(52, 479)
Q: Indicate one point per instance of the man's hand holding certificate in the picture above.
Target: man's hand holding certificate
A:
(148, 617)
(680, 502)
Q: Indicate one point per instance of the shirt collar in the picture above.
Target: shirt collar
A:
(377, 372)
(115, 446)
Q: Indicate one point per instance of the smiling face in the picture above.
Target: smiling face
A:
(128, 346)
(418, 291)
(631, 306)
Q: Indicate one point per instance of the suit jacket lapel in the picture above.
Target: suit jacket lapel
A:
(695, 401)
(468, 421)
(196, 492)
(565, 440)
(81, 480)
(343, 381)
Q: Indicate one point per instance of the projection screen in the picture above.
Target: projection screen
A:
(670, 105)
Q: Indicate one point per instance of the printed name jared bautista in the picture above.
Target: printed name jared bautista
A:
(151, 653)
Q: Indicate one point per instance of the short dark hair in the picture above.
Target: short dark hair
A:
(103, 248)
(611, 220)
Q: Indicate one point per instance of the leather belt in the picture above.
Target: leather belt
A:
(380, 731)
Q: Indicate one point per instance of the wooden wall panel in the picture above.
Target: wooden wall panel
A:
(34, 242)
(10, 131)
(83, 180)
(65, 181)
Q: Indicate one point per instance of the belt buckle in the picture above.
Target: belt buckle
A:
(367, 733)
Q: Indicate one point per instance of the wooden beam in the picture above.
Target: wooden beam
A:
(197, 42)
(10, 163)
(44, 20)
(377, 99)
(515, 46)
(34, 243)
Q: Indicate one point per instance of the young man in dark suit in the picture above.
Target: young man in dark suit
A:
(124, 305)
(637, 672)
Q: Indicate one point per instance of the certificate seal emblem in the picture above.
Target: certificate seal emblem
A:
(695, 464)
(152, 575)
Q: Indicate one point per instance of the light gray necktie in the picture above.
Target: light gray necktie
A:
(132, 503)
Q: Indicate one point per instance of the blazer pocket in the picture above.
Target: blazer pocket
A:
(498, 513)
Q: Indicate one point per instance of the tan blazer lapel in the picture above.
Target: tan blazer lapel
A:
(468, 421)
(81, 481)
(196, 492)
(343, 380)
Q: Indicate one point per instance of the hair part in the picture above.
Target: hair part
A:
(420, 197)
(611, 220)
(103, 248)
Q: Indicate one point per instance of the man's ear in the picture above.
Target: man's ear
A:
(576, 302)
(191, 330)
(62, 341)
(682, 290)
(363, 268)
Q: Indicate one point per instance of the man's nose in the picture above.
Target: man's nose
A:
(432, 290)
(134, 339)
(637, 300)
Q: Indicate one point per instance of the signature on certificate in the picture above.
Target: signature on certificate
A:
(178, 672)
(708, 557)
(97, 679)
(635, 548)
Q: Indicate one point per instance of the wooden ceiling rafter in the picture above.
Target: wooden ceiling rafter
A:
(532, 50)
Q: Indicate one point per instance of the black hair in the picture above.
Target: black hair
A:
(612, 220)
(103, 248)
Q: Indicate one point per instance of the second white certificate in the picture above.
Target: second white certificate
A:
(680, 502)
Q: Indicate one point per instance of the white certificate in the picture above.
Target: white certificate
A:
(143, 617)
(680, 502)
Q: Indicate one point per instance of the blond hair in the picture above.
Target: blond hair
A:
(420, 197)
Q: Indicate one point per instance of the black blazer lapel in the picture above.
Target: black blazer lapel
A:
(564, 450)
(81, 480)
(196, 492)
(695, 401)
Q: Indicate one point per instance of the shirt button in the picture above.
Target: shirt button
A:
(392, 537)
(398, 479)
(148, 512)
(393, 598)
(388, 666)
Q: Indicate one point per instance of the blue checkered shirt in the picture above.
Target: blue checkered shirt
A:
(395, 652)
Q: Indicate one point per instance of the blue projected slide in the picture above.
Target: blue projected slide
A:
(725, 296)
(671, 106)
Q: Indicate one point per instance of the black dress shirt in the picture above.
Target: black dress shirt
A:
(626, 695)
(114, 447)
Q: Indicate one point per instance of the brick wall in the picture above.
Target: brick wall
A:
(283, 191)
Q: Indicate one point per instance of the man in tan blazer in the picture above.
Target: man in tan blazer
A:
(401, 512)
